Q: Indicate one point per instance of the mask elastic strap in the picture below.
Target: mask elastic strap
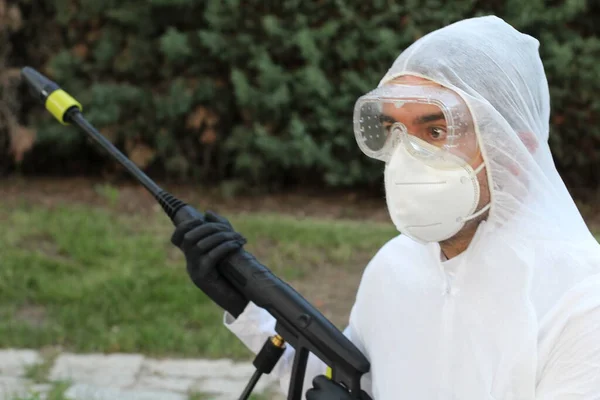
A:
(484, 209)
(478, 213)
(478, 170)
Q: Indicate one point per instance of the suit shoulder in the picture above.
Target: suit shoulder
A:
(390, 252)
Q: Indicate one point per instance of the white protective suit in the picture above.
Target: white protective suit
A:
(515, 316)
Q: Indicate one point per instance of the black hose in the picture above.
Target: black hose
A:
(250, 386)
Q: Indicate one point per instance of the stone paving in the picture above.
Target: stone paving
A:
(128, 377)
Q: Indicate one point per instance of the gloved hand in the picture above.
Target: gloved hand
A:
(205, 243)
(326, 389)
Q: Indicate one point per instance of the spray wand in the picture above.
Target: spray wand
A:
(298, 322)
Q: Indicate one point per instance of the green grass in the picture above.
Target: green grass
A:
(39, 372)
(89, 280)
(56, 392)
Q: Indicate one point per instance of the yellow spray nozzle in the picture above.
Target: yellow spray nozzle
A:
(56, 100)
(59, 102)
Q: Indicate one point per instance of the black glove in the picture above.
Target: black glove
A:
(205, 243)
(326, 389)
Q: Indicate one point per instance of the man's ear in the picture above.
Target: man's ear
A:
(529, 140)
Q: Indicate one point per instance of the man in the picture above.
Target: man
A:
(492, 290)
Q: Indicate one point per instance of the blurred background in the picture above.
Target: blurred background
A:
(242, 107)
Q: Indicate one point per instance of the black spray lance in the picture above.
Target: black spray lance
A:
(298, 322)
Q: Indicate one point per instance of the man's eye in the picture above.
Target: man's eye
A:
(437, 133)
(386, 122)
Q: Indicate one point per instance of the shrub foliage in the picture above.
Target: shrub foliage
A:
(259, 91)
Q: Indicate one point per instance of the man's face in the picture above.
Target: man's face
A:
(427, 122)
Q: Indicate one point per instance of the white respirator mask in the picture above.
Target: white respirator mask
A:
(430, 204)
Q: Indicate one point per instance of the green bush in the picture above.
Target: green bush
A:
(261, 91)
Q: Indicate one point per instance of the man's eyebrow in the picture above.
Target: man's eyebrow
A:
(386, 118)
(423, 119)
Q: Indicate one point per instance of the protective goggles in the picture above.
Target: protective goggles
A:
(432, 122)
